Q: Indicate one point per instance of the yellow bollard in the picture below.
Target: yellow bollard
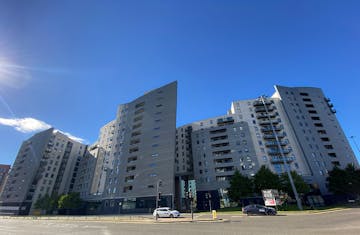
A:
(214, 214)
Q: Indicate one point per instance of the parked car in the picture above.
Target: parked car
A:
(256, 209)
(166, 212)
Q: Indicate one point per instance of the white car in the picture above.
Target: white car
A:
(166, 212)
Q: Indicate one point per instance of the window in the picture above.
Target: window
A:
(129, 178)
(139, 111)
(329, 146)
(134, 141)
(137, 126)
(318, 124)
(138, 118)
(139, 105)
(130, 168)
(133, 150)
(135, 133)
(304, 94)
(127, 188)
(132, 159)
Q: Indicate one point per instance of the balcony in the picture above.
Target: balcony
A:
(262, 115)
(225, 121)
(220, 145)
(224, 169)
(275, 143)
(269, 129)
(260, 103)
(281, 160)
(272, 136)
(223, 161)
(263, 109)
(267, 122)
(276, 152)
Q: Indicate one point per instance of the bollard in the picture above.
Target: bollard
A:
(214, 216)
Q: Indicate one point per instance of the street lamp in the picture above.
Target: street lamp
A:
(298, 201)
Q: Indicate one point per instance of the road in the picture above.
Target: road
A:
(337, 222)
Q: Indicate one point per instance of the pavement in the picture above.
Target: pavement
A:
(325, 223)
(148, 218)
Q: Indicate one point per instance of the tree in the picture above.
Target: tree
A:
(47, 203)
(301, 186)
(344, 181)
(70, 201)
(266, 179)
(240, 186)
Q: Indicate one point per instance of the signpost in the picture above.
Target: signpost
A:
(271, 197)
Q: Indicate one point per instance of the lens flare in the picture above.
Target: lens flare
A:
(13, 75)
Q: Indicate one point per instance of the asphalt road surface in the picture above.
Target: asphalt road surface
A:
(336, 222)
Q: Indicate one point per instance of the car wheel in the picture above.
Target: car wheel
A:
(171, 216)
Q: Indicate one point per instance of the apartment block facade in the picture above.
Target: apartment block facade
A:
(140, 158)
(47, 163)
(295, 125)
(4, 171)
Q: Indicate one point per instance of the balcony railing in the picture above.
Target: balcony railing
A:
(277, 152)
(262, 115)
(275, 143)
(262, 109)
(281, 160)
(272, 136)
(260, 103)
(267, 122)
(269, 129)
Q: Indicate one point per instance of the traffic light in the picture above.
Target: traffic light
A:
(159, 195)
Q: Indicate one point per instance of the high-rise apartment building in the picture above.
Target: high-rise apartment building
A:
(322, 141)
(90, 180)
(295, 125)
(141, 159)
(140, 153)
(47, 163)
(4, 171)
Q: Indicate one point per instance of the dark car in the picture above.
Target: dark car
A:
(258, 210)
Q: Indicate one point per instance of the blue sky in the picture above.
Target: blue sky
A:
(70, 63)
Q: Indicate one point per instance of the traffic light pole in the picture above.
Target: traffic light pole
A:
(158, 184)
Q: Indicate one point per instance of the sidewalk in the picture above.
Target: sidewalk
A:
(145, 218)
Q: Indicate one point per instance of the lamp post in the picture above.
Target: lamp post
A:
(287, 168)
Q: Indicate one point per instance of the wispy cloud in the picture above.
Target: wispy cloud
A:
(13, 75)
(28, 125)
(25, 125)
